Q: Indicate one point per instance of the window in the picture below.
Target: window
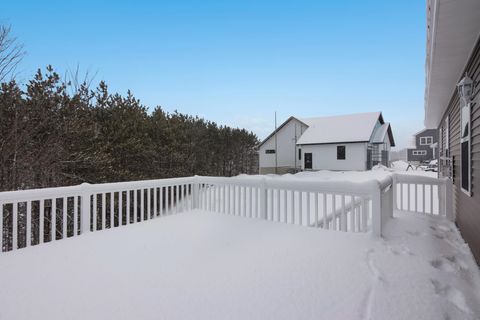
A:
(340, 152)
(270, 151)
(425, 141)
(465, 160)
(419, 152)
(299, 154)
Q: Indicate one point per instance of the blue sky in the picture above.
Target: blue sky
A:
(237, 62)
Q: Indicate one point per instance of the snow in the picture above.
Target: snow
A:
(202, 265)
(205, 265)
(344, 128)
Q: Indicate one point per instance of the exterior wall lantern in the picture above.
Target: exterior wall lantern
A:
(465, 88)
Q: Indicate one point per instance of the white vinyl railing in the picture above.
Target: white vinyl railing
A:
(334, 205)
(32, 217)
(51, 214)
(426, 195)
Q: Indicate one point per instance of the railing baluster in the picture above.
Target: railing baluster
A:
(284, 191)
(308, 218)
(120, 208)
(15, 226)
(53, 222)
(112, 214)
(155, 211)
(235, 200)
(75, 215)
(270, 201)
(64, 217)
(278, 204)
(149, 203)
(300, 207)
(244, 201)
(325, 223)
(41, 218)
(135, 205)
(364, 214)
(343, 216)
(161, 200)
(416, 197)
(178, 198)
(334, 211)
(142, 205)
(28, 240)
(104, 210)
(128, 206)
(423, 199)
(292, 206)
(95, 219)
(401, 196)
(250, 203)
(431, 199)
(316, 209)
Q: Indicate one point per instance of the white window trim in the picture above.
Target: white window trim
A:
(419, 152)
(426, 139)
(469, 140)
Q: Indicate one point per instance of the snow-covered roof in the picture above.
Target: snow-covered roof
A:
(453, 28)
(357, 127)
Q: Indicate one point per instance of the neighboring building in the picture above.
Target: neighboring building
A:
(425, 146)
(453, 49)
(346, 142)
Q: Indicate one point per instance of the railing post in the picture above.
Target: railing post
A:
(448, 199)
(85, 203)
(263, 199)
(376, 209)
(195, 192)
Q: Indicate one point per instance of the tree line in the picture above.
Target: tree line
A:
(55, 132)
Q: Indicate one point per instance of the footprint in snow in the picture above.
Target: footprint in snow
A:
(453, 295)
(400, 250)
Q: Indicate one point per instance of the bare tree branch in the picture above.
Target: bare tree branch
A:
(11, 53)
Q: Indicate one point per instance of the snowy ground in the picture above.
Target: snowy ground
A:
(201, 265)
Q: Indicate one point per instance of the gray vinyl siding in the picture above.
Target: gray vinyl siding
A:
(467, 207)
(429, 151)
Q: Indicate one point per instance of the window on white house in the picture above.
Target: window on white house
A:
(299, 154)
(340, 152)
(425, 141)
(270, 151)
(465, 155)
(419, 152)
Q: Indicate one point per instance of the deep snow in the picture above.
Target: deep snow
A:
(201, 265)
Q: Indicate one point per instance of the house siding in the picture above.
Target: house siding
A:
(324, 156)
(467, 208)
(429, 151)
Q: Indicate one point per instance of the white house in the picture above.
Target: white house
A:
(345, 142)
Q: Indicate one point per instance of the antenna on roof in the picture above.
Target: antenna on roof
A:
(276, 153)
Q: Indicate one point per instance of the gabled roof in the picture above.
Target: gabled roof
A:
(357, 127)
(278, 129)
(381, 132)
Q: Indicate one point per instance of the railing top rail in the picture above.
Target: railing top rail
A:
(408, 178)
(47, 193)
(324, 186)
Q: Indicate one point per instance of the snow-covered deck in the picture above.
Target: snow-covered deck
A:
(204, 265)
